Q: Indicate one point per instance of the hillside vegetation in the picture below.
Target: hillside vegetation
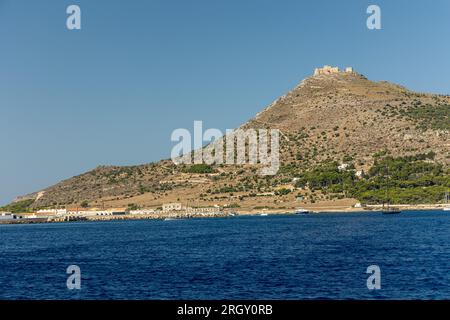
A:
(387, 138)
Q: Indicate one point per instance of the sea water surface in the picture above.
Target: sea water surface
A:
(319, 256)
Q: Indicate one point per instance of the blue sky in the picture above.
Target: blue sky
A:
(113, 92)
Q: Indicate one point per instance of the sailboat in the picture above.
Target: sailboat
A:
(447, 201)
(388, 209)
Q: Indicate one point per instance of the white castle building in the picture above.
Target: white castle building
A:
(330, 70)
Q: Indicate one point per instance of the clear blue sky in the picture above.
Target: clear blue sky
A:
(113, 92)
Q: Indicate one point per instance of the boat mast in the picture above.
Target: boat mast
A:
(387, 187)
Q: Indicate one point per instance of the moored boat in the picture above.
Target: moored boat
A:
(447, 200)
(301, 211)
(391, 211)
(388, 209)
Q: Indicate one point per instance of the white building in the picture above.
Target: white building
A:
(31, 216)
(58, 212)
(143, 211)
(96, 212)
(172, 206)
(90, 213)
(343, 166)
(6, 216)
(331, 70)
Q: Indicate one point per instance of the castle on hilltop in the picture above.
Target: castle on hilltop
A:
(331, 70)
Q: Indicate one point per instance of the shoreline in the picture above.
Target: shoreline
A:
(248, 212)
(347, 209)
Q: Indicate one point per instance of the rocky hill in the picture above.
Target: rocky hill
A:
(330, 119)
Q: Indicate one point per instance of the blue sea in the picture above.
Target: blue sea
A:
(319, 256)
